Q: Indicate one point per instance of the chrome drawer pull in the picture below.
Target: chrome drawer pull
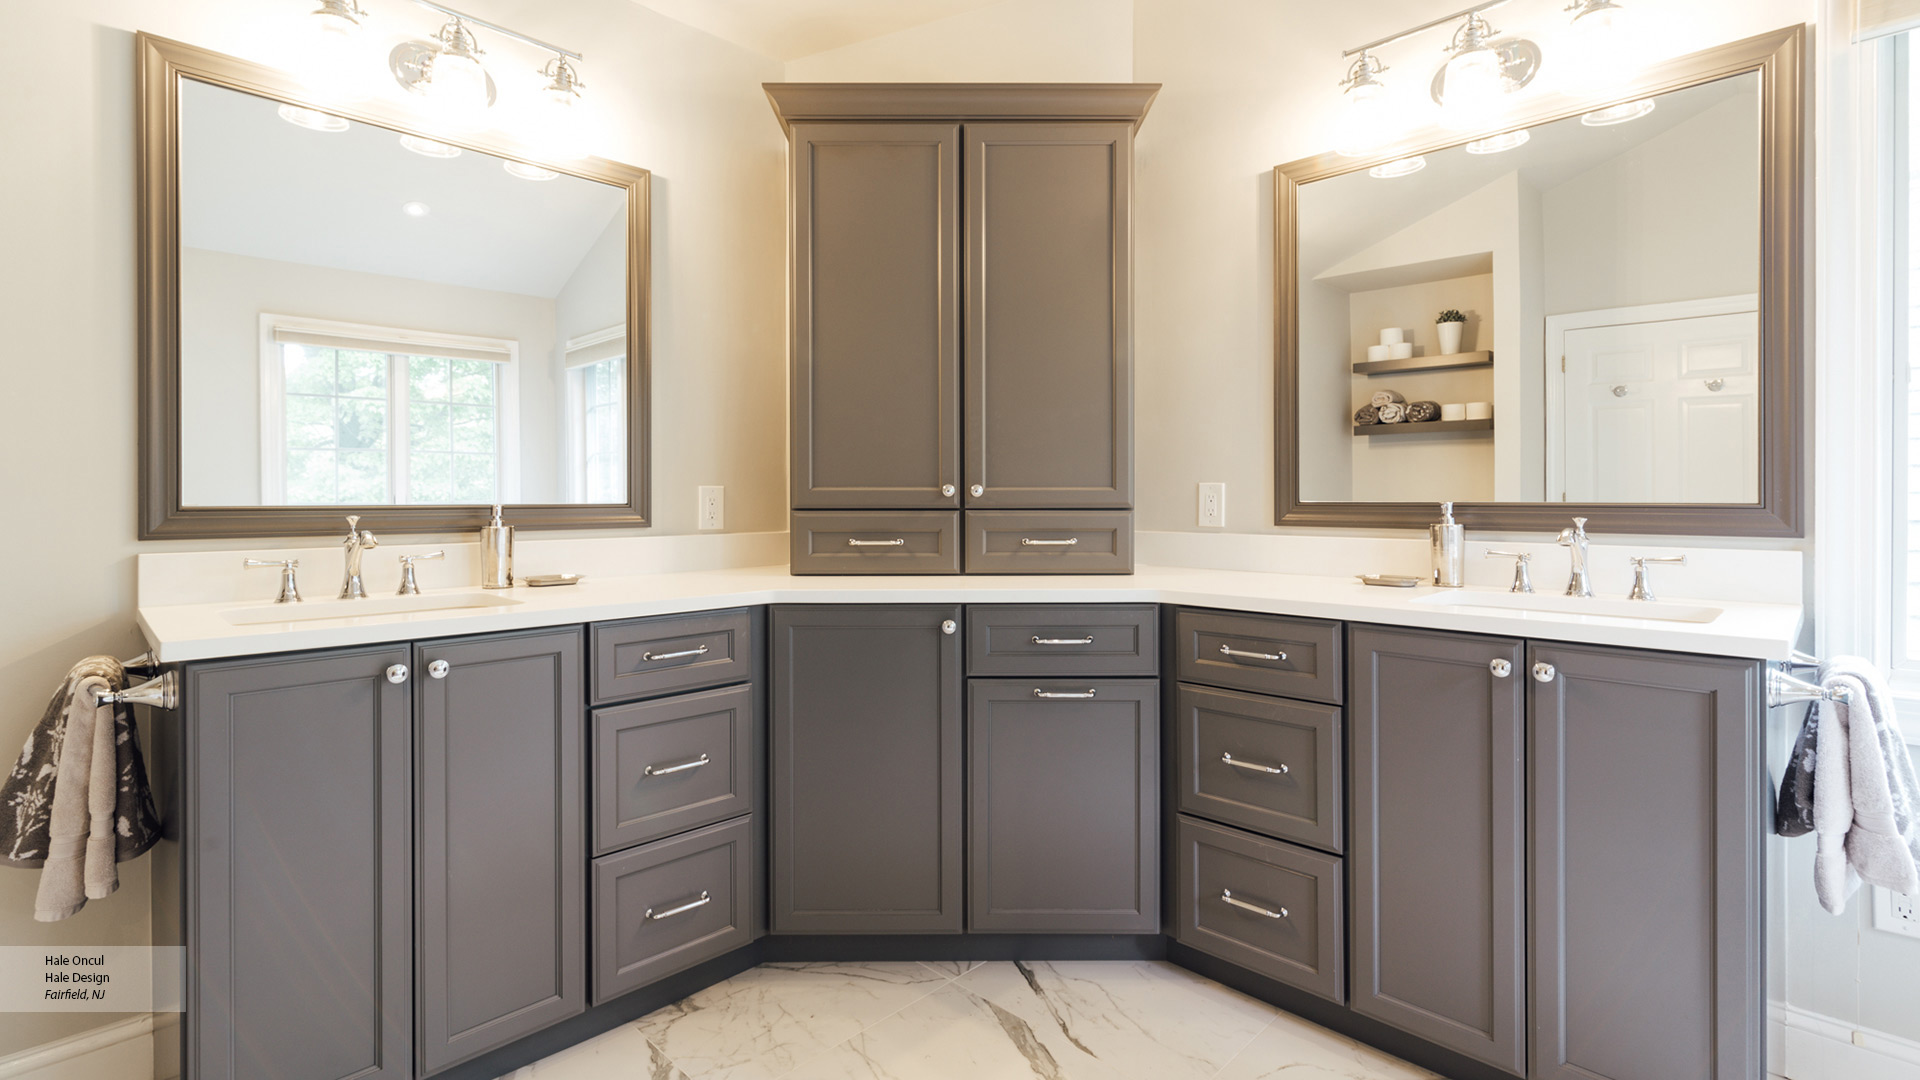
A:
(1226, 650)
(1056, 694)
(656, 770)
(1028, 541)
(898, 541)
(1251, 767)
(1088, 640)
(703, 901)
(1227, 895)
(682, 654)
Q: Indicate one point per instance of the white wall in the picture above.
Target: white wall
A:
(1014, 41)
(677, 101)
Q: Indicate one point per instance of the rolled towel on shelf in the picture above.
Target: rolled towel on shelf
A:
(1389, 397)
(1421, 412)
(1392, 412)
(1365, 415)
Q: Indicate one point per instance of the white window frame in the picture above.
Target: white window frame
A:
(576, 407)
(405, 343)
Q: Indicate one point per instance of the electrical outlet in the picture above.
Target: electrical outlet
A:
(1213, 506)
(713, 506)
(1896, 913)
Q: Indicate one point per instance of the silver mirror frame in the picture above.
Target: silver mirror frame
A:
(1779, 59)
(159, 66)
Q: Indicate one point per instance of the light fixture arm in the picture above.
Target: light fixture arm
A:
(1475, 10)
(349, 10)
(556, 50)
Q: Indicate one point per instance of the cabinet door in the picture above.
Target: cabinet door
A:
(1439, 838)
(876, 332)
(501, 852)
(1646, 822)
(1063, 795)
(866, 769)
(300, 929)
(1049, 408)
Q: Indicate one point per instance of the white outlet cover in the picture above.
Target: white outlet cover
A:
(710, 511)
(1896, 913)
(1211, 513)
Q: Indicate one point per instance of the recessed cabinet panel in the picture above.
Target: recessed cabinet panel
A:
(875, 542)
(1270, 907)
(1049, 541)
(1056, 639)
(664, 907)
(1439, 831)
(1266, 764)
(1049, 413)
(1262, 654)
(876, 375)
(1646, 829)
(666, 654)
(662, 767)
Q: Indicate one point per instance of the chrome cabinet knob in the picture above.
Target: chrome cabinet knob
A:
(439, 668)
(1543, 673)
(946, 490)
(1500, 668)
(949, 626)
(397, 673)
(977, 490)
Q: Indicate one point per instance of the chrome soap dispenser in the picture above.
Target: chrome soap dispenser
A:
(1449, 550)
(496, 554)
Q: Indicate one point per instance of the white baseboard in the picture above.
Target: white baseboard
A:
(122, 1050)
(1816, 1047)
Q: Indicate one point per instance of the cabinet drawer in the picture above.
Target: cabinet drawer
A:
(662, 767)
(1261, 763)
(1292, 931)
(669, 905)
(1049, 542)
(1055, 639)
(875, 542)
(1266, 654)
(671, 653)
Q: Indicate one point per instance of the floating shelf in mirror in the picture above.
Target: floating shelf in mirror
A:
(1431, 427)
(1443, 362)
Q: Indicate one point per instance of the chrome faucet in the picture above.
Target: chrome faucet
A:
(357, 543)
(1575, 541)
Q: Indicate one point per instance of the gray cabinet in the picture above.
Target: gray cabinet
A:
(866, 778)
(1645, 916)
(501, 846)
(297, 915)
(1063, 805)
(666, 906)
(876, 330)
(1048, 375)
(1439, 829)
(663, 767)
(1267, 764)
(1271, 908)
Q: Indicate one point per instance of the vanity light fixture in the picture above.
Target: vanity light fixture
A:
(447, 71)
(332, 51)
(1606, 47)
(312, 119)
(428, 147)
(1367, 123)
(1618, 114)
(1405, 166)
(1480, 72)
(416, 209)
(1494, 144)
(527, 172)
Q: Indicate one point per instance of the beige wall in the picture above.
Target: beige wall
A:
(1014, 41)
(677, 101)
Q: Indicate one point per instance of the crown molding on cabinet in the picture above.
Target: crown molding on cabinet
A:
(798, 102)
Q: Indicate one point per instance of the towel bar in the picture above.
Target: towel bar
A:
(1785, 689)
(160, 692)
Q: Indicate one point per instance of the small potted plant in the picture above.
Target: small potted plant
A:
(1449, 325)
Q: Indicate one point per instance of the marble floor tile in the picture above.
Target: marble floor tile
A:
(621, 1054)
(761, 1023)
(1144, 1020)
(1295, 1049)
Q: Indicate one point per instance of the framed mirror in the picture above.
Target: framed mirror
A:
(1593, 310)
(343, 311)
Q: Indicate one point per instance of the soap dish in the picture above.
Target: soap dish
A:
(541, 581)
(1391, 581)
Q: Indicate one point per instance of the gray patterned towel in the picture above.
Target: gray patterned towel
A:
(1366, 414)
(77, 801)
(1420, 412)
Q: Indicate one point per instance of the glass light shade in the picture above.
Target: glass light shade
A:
(332, 57)
(457, 86)
(561, 124)
(1405, 166)
(1472, 92)
(312, 119)
(1367, 122)
(428, 147)
(1603, 50)
(1494, 144)
(1618, 114)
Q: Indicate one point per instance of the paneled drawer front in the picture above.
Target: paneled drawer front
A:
(875, 542)
(662, 767)
(671, 653)
(1261, 763)
(1265, 654)
(669, 905)
(1270, 907)
(1055, 639)
(1049, 542)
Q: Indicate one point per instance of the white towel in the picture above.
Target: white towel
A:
(1866, 798)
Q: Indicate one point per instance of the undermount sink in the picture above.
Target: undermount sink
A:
(312, 611)
(1560, 607)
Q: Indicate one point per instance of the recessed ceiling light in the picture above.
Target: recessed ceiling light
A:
(429, 148)
(416, 209)
(312, 119)
(1494, 144)
(528, 172)
(1618, 114)
(1405, 166)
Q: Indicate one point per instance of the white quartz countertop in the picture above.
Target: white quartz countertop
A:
(179, 632)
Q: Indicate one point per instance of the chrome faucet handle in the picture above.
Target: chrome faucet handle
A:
(1574, 539)
(410, 585)
(1640, 589)
(356, 536)
(1522, 577)
(289, 588)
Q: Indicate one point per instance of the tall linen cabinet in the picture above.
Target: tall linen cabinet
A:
(962, 338)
